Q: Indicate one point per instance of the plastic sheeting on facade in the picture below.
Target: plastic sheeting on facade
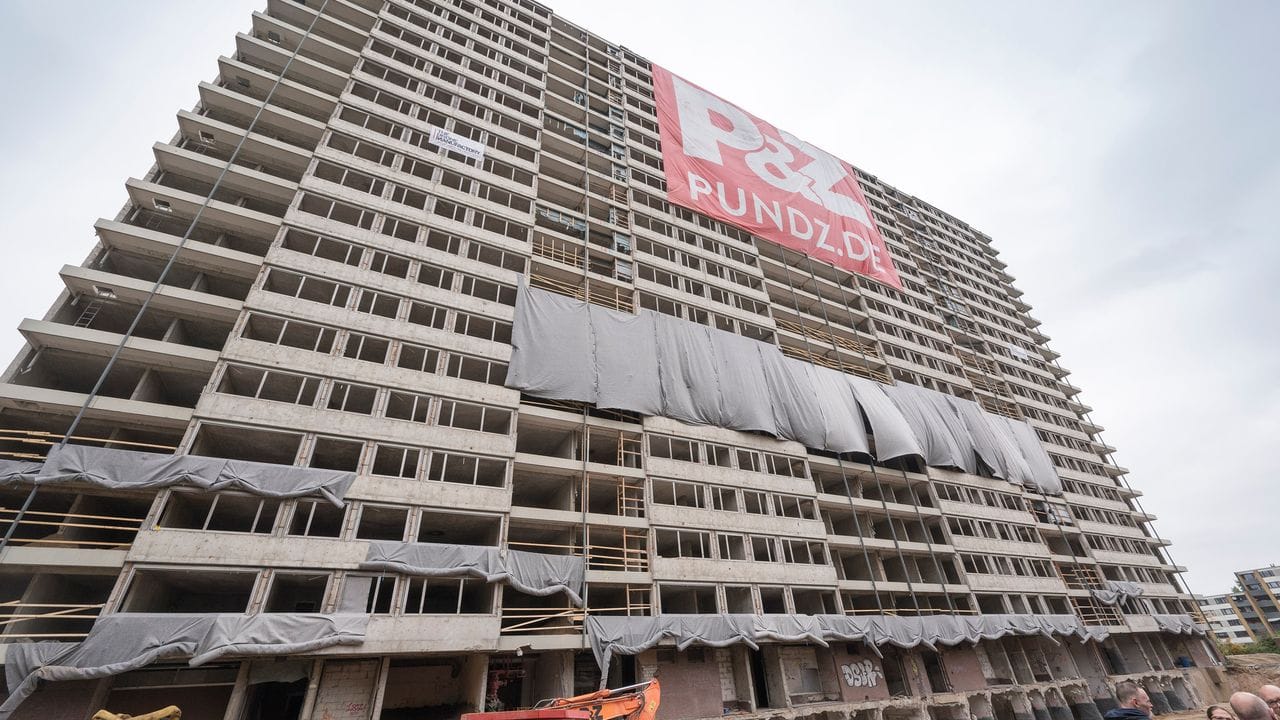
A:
(18, 472)
(1179, 624)
(653, 364)
(1116, 592)
(529, 572)
(123, 642)
(622, 635)
(128, 469)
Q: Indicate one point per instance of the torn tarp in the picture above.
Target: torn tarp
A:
(621, 635)
(128, 469)
(1116, 592)
(655, 364)
(529, 572)
(122, 642)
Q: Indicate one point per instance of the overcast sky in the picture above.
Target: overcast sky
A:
(1123, 157)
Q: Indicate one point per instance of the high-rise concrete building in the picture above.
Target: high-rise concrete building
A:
(304, 489)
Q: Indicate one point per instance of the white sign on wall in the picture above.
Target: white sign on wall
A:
(444, 139)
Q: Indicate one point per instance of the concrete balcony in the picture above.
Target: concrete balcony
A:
(201, 256)
(185, 303)
(222, 214)
(740, 571)
(151, 353)
(108, 409)
(238, 178)
(288, 158)
(314, 47)
(737, 522)
(261, 84)
(268, 54)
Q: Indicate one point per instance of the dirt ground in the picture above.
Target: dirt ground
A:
(1247, 672)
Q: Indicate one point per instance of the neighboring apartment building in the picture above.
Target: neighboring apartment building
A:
(1225, 619)
(1255, 601)
(343, 302)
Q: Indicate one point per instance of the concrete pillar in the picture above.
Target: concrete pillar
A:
(1083, 706)
(552, 675)
(1057, 705)
(1021, 706)
(1159, 703)
(1039, 709)
(742, 680)
(980, 707)
(1176, 703)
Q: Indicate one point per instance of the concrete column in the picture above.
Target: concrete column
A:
(552, 675)
(980, 707)
(1159, 702)
(1083, 706)
(1021, 705)
(1057, 705)
(1039, 709)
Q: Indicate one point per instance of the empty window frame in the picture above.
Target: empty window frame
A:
(408, 406)
(465, 367)
(418, 357)
(731, 546)
(678, 493)
(467, 469)
(396, 461)
(683, 543)
(269, 385)
(317, 518)
(468, 416)
(307, 243)
(447, 596)
(222, 512)
(673, 448)
(366, 347)
(305, 287)
(382, 522)
(352, 398)
(290, 333)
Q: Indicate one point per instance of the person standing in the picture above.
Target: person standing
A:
(1135, 704)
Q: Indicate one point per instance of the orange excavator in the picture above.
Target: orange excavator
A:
(633, 702)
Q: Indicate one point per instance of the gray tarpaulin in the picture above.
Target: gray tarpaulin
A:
(621, 635)
(626, 361)
(122, 642)
(560, 324)
(18, 472)
(126, 469)
(942, 437)
(1117, 592)
(1179, 624)
(894, 438)
(529, 572)
(655, 364)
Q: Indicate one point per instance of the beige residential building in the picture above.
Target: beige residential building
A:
(328, 288)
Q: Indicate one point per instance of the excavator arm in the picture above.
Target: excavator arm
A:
(169, 713)
(634, 702)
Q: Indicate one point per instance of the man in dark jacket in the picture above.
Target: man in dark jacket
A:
(1134, 703)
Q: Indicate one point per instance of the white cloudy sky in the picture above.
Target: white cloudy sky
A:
(1123, 156)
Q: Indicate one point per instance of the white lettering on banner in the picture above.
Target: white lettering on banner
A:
(861, 674)
(724, 162)
(786, 219)
(447, 140)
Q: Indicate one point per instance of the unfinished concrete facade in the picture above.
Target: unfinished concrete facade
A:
(343, 301)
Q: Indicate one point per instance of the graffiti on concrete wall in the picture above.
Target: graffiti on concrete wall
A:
(861, 674)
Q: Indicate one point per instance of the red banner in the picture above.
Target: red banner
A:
(726, 163)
